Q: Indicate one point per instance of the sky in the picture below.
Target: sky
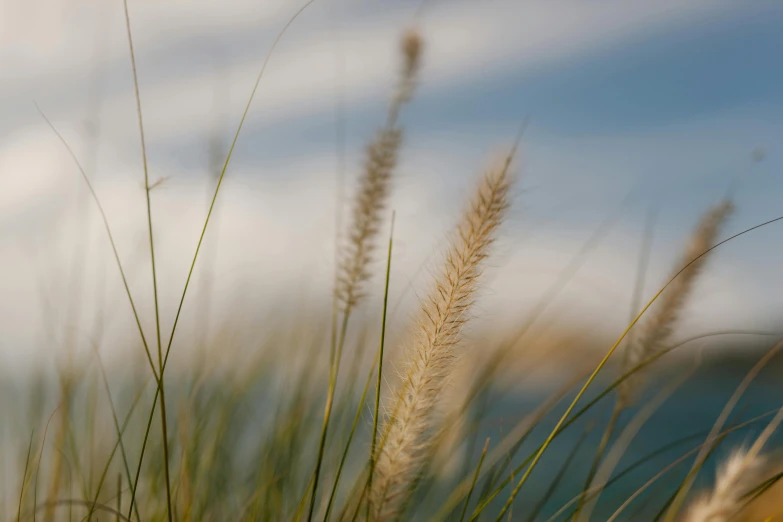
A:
(631, 106)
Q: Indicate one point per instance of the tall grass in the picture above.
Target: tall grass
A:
(264, 426)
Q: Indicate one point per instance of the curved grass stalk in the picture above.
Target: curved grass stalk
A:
(682, 492)
(79, 502)
(120, 430)
(681, 459)
(24, 477)
(626, 436)
(450, 503)
(110, 236)
(636, 297)
(606, 359)
(347, 448)
(40, 458)
(725, 501)
(473, 482)
(223, 175)
(558, 478)
(118, 444)
(209, 215)
(663, 449)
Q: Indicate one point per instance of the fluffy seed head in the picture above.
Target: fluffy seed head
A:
(739, 474)
(367, 215)
(409, 429)
(658, 327)
(375, 186)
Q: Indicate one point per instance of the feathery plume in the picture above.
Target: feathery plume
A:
(411, 426)
(658, 328)
(739, 474)
(374, 185)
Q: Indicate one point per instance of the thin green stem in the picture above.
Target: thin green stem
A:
(24, 477)
(636, 297)
(161, 385)
(451, 502)
(109, 235)
(599, 453)
(207, 220)
(679, 498)
(605, 359)
(347, 448)
(223, 175)
(40, 458)
(327, 413)
(377, 408)
(473, 482)
(118, 444)
(660, 451)
(558, 478)
(120, 430)
(135, 486)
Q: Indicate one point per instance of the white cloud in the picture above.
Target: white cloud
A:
(275, 231)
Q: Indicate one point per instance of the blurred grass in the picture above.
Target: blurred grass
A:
(245, 434)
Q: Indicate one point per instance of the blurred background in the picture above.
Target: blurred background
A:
(631, 106)
(640, 116)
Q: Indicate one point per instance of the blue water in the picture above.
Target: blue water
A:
(682, 422)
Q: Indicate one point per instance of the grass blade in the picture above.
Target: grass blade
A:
(475, 479)
(605, 359)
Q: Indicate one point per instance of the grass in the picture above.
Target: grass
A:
(285, 435)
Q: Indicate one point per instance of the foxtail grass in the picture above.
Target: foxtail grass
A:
(355, 259)
(737, 475)
(430, 359)
(656, 330)
(684, 488)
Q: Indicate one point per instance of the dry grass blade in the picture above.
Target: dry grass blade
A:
(430, 359)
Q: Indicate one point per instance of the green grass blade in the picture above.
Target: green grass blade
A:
(605, 359)
(379, 381)
(558, 478)
(679, 499)
(161, 385)
(40, 458)
(24, 477)
(135, 485)
(223, 175)
(109, 234)
(119, 430)
(118, 444)
(671, 466)
(473, 482)
(347, 448)
(598, 398)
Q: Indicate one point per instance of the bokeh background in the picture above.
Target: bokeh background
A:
(639, 116)
(631, 106)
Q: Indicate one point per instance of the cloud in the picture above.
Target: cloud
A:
(274, 227)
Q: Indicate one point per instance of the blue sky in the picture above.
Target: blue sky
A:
(664, 101)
